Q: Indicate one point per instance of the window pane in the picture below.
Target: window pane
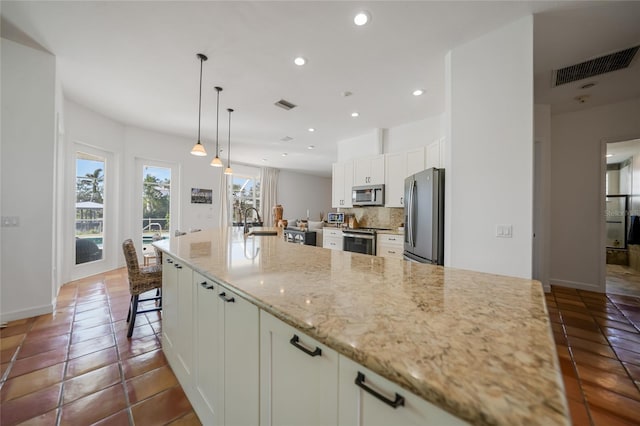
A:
(89, 207)
(156, 207)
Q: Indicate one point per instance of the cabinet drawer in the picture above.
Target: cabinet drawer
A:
(332, 243)
(390, 251)
(331, 232)
(390, 239)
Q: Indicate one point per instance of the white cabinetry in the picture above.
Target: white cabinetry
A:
(368, 171)
(298, 377)
(367, 399)
(435, 154)
(240, 361)
(342, 184)
(332, 238)
(390, 245)
(177, 317)
(398, 166)
(207, 378)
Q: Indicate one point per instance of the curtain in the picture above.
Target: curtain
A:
(223, 200)
(268, 193)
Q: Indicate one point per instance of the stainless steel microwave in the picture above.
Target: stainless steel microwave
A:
(369, 195)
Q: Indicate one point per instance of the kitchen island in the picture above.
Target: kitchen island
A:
(478, 346)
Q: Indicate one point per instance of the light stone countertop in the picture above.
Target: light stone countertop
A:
(478, 345)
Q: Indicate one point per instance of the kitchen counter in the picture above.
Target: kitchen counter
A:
(477, 345)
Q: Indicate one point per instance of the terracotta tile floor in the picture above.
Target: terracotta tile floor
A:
(77, 366)
(598, 342)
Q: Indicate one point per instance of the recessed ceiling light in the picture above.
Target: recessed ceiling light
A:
(299, 61)
(355, 114)
(284, 154)
(311, 129)
(418, 92)
(362, 18)
(587, 86)
(609, 155)
(311, 147)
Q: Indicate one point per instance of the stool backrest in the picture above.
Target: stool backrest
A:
(130, 256)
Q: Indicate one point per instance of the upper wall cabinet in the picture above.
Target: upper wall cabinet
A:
(398, 166)
(368, 171)
(342, 183)
(435, 154)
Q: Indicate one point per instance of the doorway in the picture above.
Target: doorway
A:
(622, 217)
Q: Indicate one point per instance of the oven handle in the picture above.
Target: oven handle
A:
(364, 236)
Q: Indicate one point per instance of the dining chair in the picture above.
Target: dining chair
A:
(141, 280)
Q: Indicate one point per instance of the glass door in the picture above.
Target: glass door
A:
(89, 208)
(156, 208)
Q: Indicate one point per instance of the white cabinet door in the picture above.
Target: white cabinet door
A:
(435, 154)
(207, 380)
(374, 401)
(368, 171)
(241, 359)
(298, 377)
(415, 161)
(342, 183)
(184, 335)
(169, 305)
(395, 169)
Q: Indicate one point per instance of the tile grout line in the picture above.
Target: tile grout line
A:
(120, 367)
(66, 361)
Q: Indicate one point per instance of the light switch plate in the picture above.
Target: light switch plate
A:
(504, 231)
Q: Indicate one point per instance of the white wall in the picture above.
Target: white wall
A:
(361, 146)
(490, 103)
(298, 193)
(27, 151)
(577, 189)
(542, 194)
(414, 135)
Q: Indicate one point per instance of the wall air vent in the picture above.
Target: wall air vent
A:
(603, 64)
(285, 104)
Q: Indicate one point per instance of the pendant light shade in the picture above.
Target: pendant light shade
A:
(216, 162)
(198, 148)
(229, 170)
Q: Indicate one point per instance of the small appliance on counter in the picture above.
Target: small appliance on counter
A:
(336, 219)
(424, 217)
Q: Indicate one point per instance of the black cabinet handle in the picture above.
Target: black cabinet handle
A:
(224, 297)
(169, 261)
(294, 341)
(178, 266)
(206, 286)
(399, 401)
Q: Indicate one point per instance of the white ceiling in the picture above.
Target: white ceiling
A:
(136, 63)
(617, 152)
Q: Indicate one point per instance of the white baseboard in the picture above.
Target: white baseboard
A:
(26, 313)
(577, 285)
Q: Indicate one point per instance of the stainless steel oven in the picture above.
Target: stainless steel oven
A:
(359, 241)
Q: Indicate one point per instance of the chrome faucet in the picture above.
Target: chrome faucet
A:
(246, 226)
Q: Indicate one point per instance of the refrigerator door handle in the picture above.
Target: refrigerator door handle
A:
(411, 212)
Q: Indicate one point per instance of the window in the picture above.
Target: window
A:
(89, 221)
(245, 193)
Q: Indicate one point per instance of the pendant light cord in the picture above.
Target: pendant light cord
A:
(200, 99)
(229, 147)
(217, 118)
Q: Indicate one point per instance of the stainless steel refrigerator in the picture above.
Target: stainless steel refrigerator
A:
(424, 217)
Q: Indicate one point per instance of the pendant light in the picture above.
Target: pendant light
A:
(216, 162)
(228, 170)
(198, 148)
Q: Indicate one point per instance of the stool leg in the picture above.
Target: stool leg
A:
(134, 311)
(129, 314)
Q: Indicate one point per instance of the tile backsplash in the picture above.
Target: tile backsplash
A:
(376, 217)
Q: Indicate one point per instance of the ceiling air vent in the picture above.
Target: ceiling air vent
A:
(285, 104)
(603, 64)
(286, 139)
